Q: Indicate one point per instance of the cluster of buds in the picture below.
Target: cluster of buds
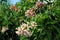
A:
(33, 24)
(4, 29)
(39, 4)
(15, 8)
(24, 29)
(30, 13)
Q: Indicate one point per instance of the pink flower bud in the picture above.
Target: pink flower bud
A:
(39, 4)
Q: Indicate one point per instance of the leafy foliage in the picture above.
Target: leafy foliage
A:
(47, 17)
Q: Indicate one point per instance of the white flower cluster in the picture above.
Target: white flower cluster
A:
(50, 1)
(24, 29)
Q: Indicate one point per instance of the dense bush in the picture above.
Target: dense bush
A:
(30, 20)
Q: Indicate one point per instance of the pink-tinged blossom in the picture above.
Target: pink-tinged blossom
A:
(39, 4)
(30, 13)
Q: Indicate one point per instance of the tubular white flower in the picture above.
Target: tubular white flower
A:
(45, 2)
(27, 33)
(24, 26)
(17, 32)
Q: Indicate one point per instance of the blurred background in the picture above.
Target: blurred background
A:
(12, 2)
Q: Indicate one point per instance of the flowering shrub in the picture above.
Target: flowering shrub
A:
(30, 20)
